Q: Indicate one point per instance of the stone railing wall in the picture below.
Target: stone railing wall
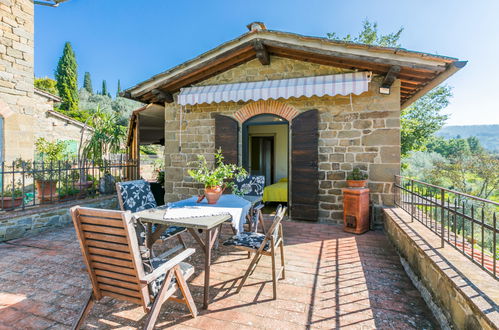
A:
(460, 294)
(32, 221)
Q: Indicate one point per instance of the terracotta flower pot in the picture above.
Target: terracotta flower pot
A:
(356, 183)
(83, 185)
(10, 203)
(213, 194)
(46, 190)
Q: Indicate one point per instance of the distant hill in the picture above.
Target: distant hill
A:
(487, 134)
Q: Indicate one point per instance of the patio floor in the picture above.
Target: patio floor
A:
(334, 279)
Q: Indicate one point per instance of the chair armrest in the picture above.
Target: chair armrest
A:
(167, 266)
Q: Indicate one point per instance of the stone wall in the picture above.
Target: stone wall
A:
(16, 70)
(23, 111)
(31, 222)
(458, 291)
(363, 134)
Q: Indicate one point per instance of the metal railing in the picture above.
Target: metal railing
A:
(27, 184)
(466, 222)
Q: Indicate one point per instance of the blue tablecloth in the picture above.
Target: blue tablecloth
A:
(238, 208)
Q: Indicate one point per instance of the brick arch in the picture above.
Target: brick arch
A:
(265, 107)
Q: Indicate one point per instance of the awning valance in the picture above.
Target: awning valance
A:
(342, 84)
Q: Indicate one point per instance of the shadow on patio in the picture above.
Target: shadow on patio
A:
(333, 279)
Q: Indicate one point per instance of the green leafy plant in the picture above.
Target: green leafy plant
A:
(160, 177)
(107, 137)
(50, 151)
(218, 175)
(356, 174)
(68, 190)
(13, 191)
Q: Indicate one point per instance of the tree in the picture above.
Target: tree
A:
(104, 88)
(66, 76)
(118, 92)
(475, 145)
(476, 175)
(87, 83)
(370, 36)
(47, 84)
(421, 120)
(449, 148)
(107, 137)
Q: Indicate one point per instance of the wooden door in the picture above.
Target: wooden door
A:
(227, 138)
(304, 166)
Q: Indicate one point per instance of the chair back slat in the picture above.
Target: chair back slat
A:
(110, 250)
(273, 231)
(279, 215)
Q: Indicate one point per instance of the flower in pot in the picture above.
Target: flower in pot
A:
(356, 179)
(216, 179)
(12, 197)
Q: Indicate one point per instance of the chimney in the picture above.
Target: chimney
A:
(256, 26)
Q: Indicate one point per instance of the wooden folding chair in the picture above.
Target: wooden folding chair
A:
(110, 249)
(263, 245)
(142, 198)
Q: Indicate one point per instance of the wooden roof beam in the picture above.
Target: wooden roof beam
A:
(354, 57)
(390, 76)
(389, 79)
(162, 96)
(261, 52)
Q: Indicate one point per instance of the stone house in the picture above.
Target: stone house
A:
(26, 113)
(298, 109)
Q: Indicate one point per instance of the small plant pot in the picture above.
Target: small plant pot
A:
(83, 185)
(213, 194)
(10, 202)
(356, 183)
(46, 190)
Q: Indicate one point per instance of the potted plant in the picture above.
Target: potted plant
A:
(67, 193)
(356, 179)
(216, 179)
(84, 184)
(46, 172)
(12, 197)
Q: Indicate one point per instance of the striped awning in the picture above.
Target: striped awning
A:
(337, 84)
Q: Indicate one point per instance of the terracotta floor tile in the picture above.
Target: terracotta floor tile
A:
(332, 279)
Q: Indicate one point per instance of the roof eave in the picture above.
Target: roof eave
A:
(404, 55)
(452, 68)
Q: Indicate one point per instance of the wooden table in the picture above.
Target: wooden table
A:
(210, 226)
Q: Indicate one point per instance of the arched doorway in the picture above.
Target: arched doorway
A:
(265, 148)
(233, 134)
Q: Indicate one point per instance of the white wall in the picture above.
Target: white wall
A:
(280, 133)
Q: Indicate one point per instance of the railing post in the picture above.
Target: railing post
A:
(412, 200)
(442, 215)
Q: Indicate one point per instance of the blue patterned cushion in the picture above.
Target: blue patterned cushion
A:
(155, 285)
(137, 195)
(248, 239)
(251, 185)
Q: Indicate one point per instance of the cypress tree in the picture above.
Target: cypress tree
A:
(87, 83)
(66, 76)
(104, 88)
(119, 88)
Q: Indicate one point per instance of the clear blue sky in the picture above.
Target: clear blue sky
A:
(133, 40)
